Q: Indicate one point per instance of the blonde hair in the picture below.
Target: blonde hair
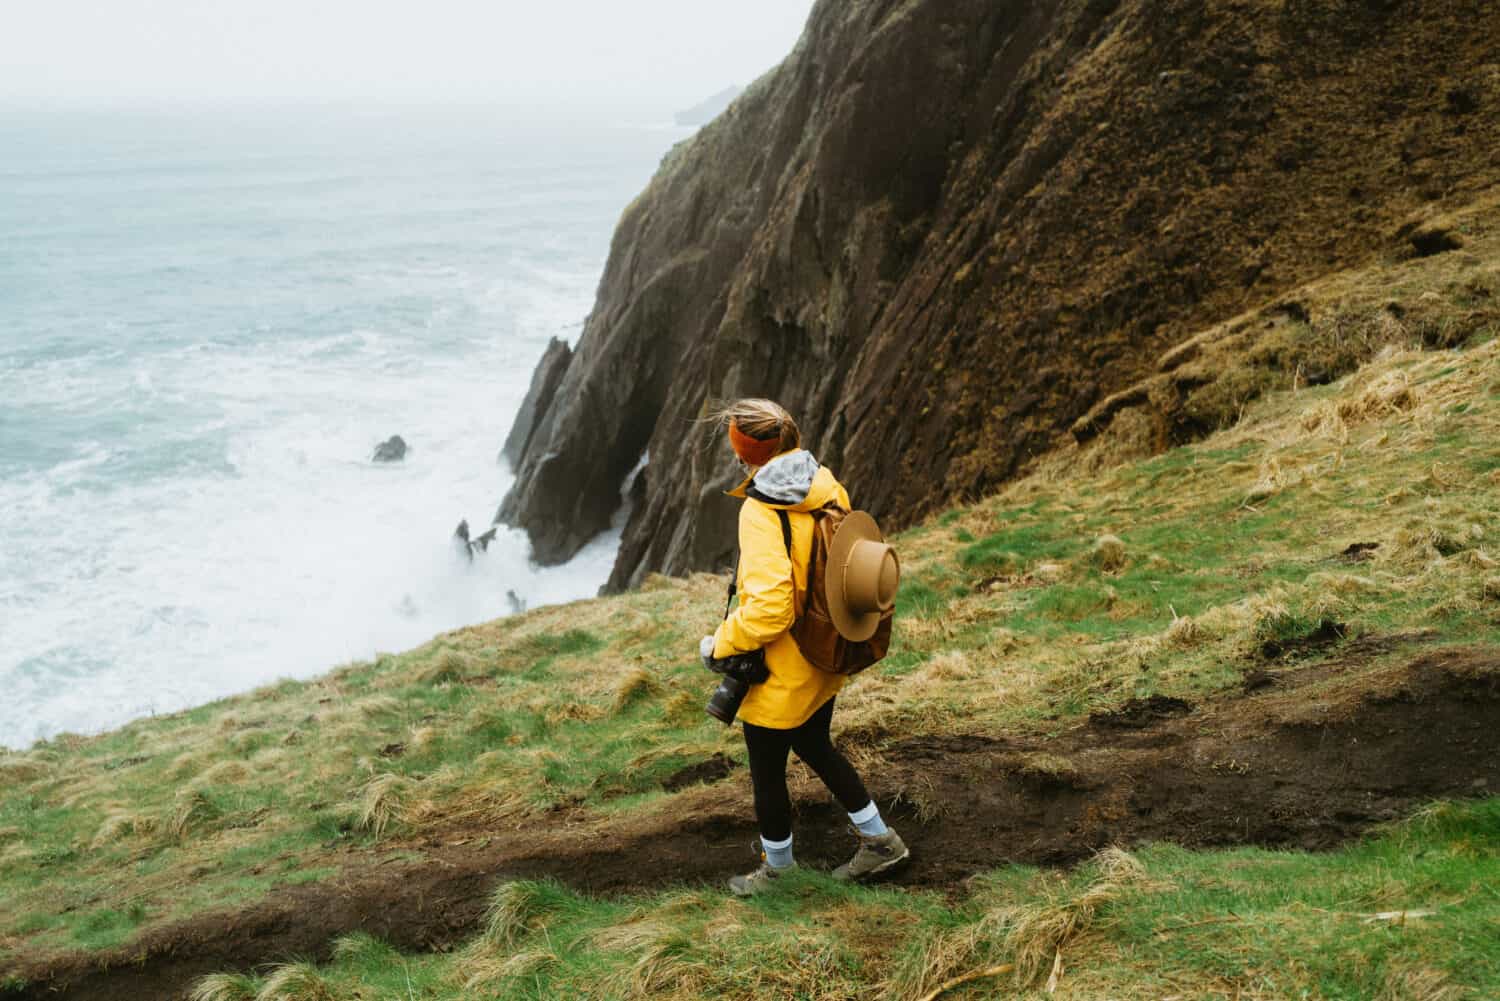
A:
(759, 418)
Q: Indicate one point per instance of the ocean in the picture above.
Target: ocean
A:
(208, 320)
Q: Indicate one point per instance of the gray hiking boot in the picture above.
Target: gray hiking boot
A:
(762, 879)
(875, 855)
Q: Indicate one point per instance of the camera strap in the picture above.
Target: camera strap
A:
(734, 576)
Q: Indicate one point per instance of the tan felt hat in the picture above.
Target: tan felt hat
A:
(861, 577)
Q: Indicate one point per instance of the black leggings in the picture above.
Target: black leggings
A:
(768, 749)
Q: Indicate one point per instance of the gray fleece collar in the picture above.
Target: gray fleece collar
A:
(787, 478)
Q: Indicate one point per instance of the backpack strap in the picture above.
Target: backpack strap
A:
(786, 537)
(734, 570)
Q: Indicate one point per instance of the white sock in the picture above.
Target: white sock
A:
(778, 853)
(868, 821)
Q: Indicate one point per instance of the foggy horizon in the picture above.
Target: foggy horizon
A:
(655, 57)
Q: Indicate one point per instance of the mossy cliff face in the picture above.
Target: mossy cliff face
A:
(942, 230)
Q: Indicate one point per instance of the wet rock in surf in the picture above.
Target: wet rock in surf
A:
(467, 546)
(393, 449)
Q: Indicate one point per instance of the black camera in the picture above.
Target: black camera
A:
(738, 674)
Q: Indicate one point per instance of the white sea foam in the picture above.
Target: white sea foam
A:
(298, 554)
(187, 503)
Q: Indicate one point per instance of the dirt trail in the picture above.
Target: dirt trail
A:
(1281, 766)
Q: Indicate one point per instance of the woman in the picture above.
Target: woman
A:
(791, 710)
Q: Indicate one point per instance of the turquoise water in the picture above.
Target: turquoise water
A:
(207, 321)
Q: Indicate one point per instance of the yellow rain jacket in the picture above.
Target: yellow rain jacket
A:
(773, 588)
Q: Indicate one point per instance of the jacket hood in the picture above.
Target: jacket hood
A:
(793, 481)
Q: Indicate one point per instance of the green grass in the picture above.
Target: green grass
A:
(918, 598)
(1277, 906)
(1016, 549)
(108, 926)
(1221, 924)
(902, 662)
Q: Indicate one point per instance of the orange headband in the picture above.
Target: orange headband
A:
(754, 451)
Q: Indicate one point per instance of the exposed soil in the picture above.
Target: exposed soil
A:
(1325, 634)
(1137, 714)
(704, 772)
(1256, 681)
(1308, 762)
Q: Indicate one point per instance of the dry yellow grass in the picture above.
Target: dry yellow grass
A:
(513, 909)
(191, 811)
(919, 792)
(1035, 934)
(1041, 765)
(18, 769)
(633, 936)
(658, 950)
(1109, 553)
(447, 666)
(941, 957)
(185, 765)
(637, 684)
(574, 711)
(690, 750)
(684, 705)
(1030, 937)
(223, 987)
(948, 665)
(483, 971)
(1406, 983)
(119, 824)
(296, 982)
(378, 705)
(422, 738)
(226, 773)
(662, 969)
(382, 802)
(1185, 632)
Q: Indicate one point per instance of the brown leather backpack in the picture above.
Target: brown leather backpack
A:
(814, 631)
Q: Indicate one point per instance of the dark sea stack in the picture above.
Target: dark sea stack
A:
(942, 230)
(544, 380)
(393, 449)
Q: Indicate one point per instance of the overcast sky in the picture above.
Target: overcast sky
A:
(661, 53)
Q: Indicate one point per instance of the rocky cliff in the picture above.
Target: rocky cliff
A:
(942, 230)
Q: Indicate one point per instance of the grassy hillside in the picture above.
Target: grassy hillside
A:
(1363, 510)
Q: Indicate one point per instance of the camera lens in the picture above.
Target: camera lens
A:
(724, 703)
